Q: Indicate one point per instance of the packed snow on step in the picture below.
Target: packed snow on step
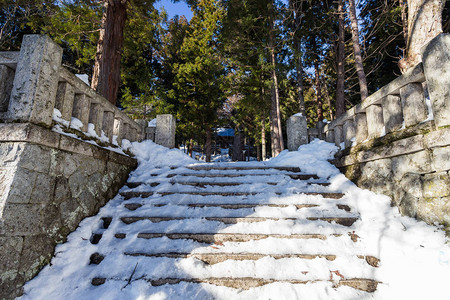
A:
(414, 256)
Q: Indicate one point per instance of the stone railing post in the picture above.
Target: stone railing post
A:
(297, 132)
(375, 121)
(96, 117)
(64, 100)
(349, 132)
(330, 135)
(436, 64)
(338, 135)
(119, 129)
(108, 124)
(413, 102)
(165, 130)
(6, 84)
(36, 81)
(361, 127)
(392, 113)
(81, 108)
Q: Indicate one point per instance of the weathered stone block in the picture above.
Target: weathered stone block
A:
(412, 184)
(35, 158)
(76, 146)
(434, 210)
(375, 122)
(6, 84)
(37, 251)
(165, 130)
(43, 189)
(36, 81)
(10, 153)
(21, 186)
(436, 185)
(419, 163)
(119, 129)
(441, 159)
(22, 219)
(436, 63)
(330, 136)
(392, 113)
(65, 96)
(438, 138)
(297, 132)
(13, 246)
(361, 127)
(413, 103)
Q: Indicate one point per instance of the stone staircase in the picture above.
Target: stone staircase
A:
(233, 225)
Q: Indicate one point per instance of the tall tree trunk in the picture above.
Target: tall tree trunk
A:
(106, 76)
(340, 60)
(424, 23)
(277, 135)
(263, 139)
(208, 144)
(404, 7)
(297, 10)
(237, 146)
(357, 51)
(319, 91)
(328, 99)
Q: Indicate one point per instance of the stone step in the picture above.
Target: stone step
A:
(293, 176)
(215, 258)
(134, 206)
(211, 238)
(209, 183)
(245, 283)
(243, 168)
(235, 220)
(133, 194)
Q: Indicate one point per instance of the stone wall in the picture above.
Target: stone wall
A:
(52, 173)
(397, 142)
(49, 182)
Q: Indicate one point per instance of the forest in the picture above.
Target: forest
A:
(246, 65)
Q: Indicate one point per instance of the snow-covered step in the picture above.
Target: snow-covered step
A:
(245, 283)
(211, 238)
(234, 220)
(134, 206)
(242, 168)
(145, 194)
(234, 175)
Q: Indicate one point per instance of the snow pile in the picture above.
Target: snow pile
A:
(311, 158)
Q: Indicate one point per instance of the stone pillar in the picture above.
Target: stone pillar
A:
(375, 123)
(349, 132)
(119, 128)
(338, 136)
(65, 97)
(6, 84)
(96, 117)
(330, 135)
(36, 81)
(165, 130)
(436, 65)
(392, 113)
(413, 102)
(361, 127)
(297, 132)
(150, 133)
(81, 107)
(108, 124)
(126, 131)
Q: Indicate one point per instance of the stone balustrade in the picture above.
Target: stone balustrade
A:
(397, 141)
(33, 83)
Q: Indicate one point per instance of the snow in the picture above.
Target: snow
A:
(298, 115)
(414, 256)
(152, 123)
(84, 78)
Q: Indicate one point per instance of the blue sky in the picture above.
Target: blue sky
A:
(180, 8)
